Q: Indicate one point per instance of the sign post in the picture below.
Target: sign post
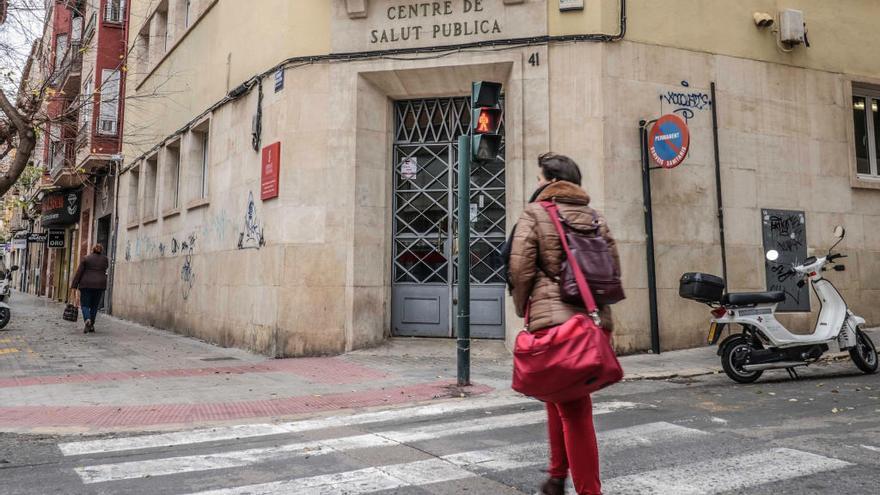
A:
(666, 143)
(463, 326)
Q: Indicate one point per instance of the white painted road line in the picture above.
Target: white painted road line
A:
(175, 465)
(223, 460)
(444, 469)
(259, 430)
(723, 475)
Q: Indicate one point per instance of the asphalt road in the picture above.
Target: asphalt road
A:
(819, 434)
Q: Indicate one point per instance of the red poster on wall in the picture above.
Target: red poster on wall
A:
(271, 170)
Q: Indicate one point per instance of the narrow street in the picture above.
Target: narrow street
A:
(700, 435)
(136, 410)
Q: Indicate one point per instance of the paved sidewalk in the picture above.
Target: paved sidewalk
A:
(54, 378)
(128, 376)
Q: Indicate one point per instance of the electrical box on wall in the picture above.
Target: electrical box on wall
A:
(792, 29)
(571, 5)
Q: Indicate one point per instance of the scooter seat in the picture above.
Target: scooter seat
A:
(749, 298)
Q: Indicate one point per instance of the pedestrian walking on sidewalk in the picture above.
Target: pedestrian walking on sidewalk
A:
(91, 281)
(535, 265)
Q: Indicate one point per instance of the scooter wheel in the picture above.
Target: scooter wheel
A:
(5, 316)
(864, 354)
(731, 361)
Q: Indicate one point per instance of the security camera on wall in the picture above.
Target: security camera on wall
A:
(763, 20)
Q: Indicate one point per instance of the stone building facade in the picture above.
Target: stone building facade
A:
(351, 241)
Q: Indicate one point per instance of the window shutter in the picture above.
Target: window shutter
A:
(109, 102)
(114, 10)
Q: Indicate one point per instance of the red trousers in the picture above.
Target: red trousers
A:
(573, 445)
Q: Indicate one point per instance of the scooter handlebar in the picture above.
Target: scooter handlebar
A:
(832, 257)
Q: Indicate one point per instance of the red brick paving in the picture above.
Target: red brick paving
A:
(167, 414)
(331, 371)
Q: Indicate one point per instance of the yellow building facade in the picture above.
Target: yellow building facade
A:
(367, 97)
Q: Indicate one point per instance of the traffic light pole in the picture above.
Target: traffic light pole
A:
(463, 326)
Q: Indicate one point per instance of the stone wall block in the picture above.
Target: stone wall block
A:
(745, 268)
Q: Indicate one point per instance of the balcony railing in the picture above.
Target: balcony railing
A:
(63, 157)
(70, 65)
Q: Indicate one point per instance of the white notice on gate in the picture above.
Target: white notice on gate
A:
(409, 168)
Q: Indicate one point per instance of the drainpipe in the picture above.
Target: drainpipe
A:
(115, 166)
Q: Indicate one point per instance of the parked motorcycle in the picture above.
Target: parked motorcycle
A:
(5, 295)
(764, 343)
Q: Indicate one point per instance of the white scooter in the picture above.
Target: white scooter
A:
(5, 295)
(764, 343)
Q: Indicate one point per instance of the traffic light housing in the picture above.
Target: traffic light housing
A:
(485, 120)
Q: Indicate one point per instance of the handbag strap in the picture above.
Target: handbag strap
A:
(582, 284)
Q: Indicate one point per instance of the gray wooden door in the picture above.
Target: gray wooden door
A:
(425, 215)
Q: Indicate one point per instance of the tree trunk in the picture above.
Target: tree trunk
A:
(27, 141)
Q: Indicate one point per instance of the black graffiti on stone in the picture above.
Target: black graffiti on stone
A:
(784, 231)
(161, 249)
(251, 236)
(694, 100)
(187, 274)
(127, 250)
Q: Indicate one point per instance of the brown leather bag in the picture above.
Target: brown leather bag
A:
(590, 251)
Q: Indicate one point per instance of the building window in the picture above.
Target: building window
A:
(134, 185)
(88, 99)
(171, 183)
(114, 11)
(151, 174)
(866, 120)
(109, 118)
(142, 51)
(60, 50)
(200, 160)
(162, 31)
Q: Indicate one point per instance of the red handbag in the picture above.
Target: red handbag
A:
(569, 361)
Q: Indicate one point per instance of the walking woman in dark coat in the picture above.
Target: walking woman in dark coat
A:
(91, 280)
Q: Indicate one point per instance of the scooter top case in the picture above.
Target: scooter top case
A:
(701, 287)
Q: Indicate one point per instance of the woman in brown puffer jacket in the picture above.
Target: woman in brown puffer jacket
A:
(535, 263)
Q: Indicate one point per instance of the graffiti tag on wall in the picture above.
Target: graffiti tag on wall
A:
(786, 232)
(685, 102)
(251, 236)
(187, 275)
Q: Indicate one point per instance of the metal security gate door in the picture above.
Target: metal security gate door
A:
(425, 216)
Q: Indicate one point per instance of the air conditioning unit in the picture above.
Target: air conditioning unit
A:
(792, 30)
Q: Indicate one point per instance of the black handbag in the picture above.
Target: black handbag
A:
(71, 312)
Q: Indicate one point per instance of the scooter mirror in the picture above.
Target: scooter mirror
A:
(772, 255)
(839, 232)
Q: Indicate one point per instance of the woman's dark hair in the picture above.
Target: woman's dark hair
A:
(559, 167)
(97, 249)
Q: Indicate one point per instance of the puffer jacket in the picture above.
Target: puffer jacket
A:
(536, 256)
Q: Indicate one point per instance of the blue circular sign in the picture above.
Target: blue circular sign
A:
(669, 141)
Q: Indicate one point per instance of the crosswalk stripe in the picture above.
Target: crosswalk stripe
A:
(174, 465)
(639, 435)
(723, 475)
(447, 468)
(258, 430)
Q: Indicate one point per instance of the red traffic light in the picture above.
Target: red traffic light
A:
(486, 120)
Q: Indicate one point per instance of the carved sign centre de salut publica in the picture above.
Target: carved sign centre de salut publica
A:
(427, 20)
